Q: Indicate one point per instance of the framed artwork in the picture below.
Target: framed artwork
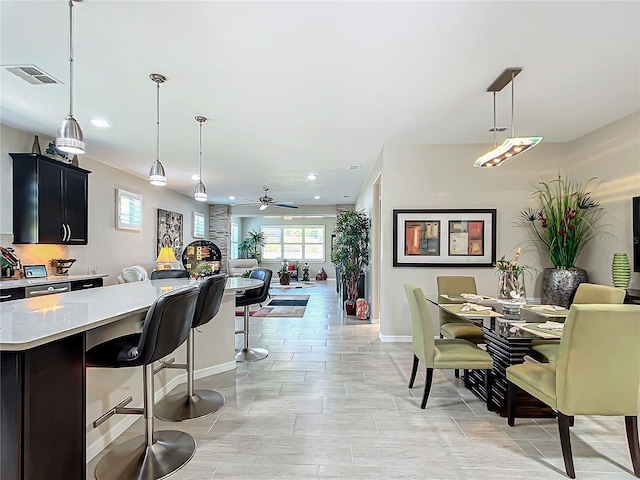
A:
(170, 227)
(444, 238)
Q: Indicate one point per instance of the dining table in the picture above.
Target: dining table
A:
(509, 332)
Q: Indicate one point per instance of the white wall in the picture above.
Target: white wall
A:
(442, 176)
(108, 249)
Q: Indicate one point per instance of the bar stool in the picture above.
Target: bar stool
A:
(153, 455)
(251, 297)
(173, 273)
(195, 403)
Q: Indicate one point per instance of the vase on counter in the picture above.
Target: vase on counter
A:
(35, 148)
(621, 270)
(511, 287)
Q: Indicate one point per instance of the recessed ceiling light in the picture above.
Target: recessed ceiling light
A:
(287, 218)
(195, 177)
(100, 122)
(231, 197)
(354, 166)
(312, 176)
(346, 196)
(317, 197)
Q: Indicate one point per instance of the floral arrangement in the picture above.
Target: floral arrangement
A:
(511, 285)
(565, 221)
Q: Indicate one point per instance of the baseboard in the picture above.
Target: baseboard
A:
(394, 338)
(127, 420)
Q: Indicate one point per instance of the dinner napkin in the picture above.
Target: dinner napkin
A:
(548, 308)
(551, 326)
(472, 307)
(472, 296)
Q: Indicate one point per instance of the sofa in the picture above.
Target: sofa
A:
(238, 266)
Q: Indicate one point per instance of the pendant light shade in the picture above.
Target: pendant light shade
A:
(156, 173)
(200, 193)
(513, 145)
(69, 135)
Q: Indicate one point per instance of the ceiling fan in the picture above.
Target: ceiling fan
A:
(266, 201)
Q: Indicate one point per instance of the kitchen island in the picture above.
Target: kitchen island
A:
(49, 398)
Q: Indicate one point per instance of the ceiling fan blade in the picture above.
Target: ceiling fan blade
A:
(284, 205)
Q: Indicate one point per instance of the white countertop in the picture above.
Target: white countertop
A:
(27, 323)
(28, 282)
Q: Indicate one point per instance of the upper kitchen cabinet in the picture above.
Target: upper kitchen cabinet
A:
(50, 201)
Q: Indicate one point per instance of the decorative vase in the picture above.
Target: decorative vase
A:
(559, 285)
(511, 287)
(35, 148)
(350, 307)
(621, 270)
(362, 309)
(285, 278)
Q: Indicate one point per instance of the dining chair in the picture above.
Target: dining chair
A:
(587, 293)
(442, 352)
(135, 273)
(597, 372)
(169, 273)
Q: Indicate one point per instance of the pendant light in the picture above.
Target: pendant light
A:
(200, 193)
(69, 135)
(513, 145)
(156, 174)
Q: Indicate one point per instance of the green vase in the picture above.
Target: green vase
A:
(621, 270)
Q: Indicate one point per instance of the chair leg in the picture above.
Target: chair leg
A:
(456, 373)
(465, 378)
(565, 443)
(414, 370)
(427, 388)
(631, 424)
(247, 354)
(488, 385)
(511, 404)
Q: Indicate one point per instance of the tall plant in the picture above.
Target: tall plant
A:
(351, 248)
(565, 220)
(251, 244)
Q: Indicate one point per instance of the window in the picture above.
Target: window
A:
(302, 243)
(198, 225)
(128, 210)
(235, 238)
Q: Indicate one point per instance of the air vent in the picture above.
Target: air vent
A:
(32, 74)
(354, 166)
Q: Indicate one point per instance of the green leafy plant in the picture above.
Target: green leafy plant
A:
(565, 220)
(518, 271)
(250, 246)
(351, 248)
(204, 269)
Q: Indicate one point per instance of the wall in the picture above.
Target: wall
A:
(442, 176)
(250, 223)
(109, 249)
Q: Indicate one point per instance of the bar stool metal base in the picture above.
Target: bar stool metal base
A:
(134, 460)
(180, 406)
(250, 354)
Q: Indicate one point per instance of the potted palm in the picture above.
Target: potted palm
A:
(250, 246)
(351, 252)
(562, 224)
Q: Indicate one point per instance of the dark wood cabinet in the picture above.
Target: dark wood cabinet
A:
(85, 284)
(7, 294)
(50, 201)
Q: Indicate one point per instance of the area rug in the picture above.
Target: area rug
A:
(292, 285)
(284, 306)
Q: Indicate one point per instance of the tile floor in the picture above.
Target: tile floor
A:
(331, 402)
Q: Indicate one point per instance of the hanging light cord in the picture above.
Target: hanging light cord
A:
(513, 133)
(158, 122)
(201, 151)
(71, 58)
(495, 138)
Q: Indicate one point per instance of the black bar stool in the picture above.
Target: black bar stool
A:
(250, 297)
(174, 273)
(195, 403)
(153, 455)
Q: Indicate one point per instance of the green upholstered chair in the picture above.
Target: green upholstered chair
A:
(450, 325)
(441, 352)
(597, 372)
(547, 351)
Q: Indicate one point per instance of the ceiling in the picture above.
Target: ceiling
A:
(292, 88)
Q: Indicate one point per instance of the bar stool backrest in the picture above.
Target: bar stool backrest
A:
(173, 273)
(209, 300)
(166, 325)
(256, 295)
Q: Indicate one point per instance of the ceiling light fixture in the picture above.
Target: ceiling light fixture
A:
(317, 197)
(100, 123)
(200, 193)
(156, 174)
(195, 177)
(231, 197)
(69, 135)
(312, 176)
(513, 145)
